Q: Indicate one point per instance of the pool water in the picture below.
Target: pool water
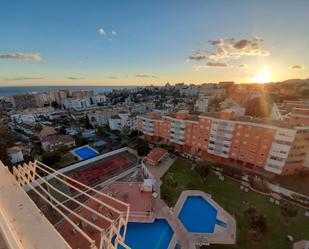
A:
(199, 216)
(85, 153)
(156, 235)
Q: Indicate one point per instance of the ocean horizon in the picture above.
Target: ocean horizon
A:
(14, 90)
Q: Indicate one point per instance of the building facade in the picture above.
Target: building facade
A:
(201, 104)
(277, 147)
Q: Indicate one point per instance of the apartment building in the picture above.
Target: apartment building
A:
(277, 147)
(102, 115)
(76, 104)
(282, 110)
(232, 106)
(201, 104)
(24, 101)
(123, 119)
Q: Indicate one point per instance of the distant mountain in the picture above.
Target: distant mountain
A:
(295, 81)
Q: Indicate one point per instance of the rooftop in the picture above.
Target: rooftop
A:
(250, 119)
(156, 154)
(58, 138)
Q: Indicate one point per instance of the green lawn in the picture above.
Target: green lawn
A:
(235, 201)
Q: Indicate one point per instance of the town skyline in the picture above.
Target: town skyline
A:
(110, 44)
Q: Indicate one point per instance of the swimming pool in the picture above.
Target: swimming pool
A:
(156, 235)
(199, 216)
(85, 152)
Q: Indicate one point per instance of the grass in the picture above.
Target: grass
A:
(227, 193)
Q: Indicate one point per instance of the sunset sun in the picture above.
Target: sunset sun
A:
(263, 76)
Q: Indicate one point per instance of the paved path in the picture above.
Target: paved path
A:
(162, 211)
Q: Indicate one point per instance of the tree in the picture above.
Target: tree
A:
(51, 158)
(55, 105)
(125, 132)
(88, 125)
(142, 147)
(7, 136)
(202, 169)
(257, 221)
(171, 148)
(4, 156)
(170, 179)
(133, 133)
(288, 210)
(38, 127)
(103, 129)
(80, 140)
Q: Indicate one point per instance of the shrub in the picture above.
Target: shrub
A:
(202, 169)
(257, 221)
(288, 210)
(170, 179)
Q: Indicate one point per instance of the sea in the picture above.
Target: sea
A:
(9, 91)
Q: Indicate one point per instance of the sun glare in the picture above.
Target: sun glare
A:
(262, 77)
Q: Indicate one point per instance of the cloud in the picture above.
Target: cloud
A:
(22, 78)
(198, 56)
(21, 57)
(230, 49)
(146, 76)
(297, 67)
(242, 66)
(113, 77)
(218, 42)
(216, 64)
(114, 33)
(210, 65)
(101, 31)
(74, 78)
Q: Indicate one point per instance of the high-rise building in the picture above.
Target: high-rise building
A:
(24, 101)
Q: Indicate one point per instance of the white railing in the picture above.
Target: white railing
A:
(77, 165)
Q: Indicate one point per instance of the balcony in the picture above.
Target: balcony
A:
(23, 225)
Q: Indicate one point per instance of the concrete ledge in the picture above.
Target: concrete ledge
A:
(22, 224)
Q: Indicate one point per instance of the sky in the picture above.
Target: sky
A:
(132, 42)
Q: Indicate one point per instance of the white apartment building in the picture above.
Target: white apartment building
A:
(189, 91)
(23, 118)
(101, 116)
(100, 100)
(123, 119)
(114, 122)
(15, 154)
(76, 104)
(201, 104)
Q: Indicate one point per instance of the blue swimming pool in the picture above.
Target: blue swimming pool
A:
(199, 216)
(85, 152)
(156, 235)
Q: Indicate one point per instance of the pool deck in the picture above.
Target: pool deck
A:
(181, 235)
(146, 207)
(221, 235)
